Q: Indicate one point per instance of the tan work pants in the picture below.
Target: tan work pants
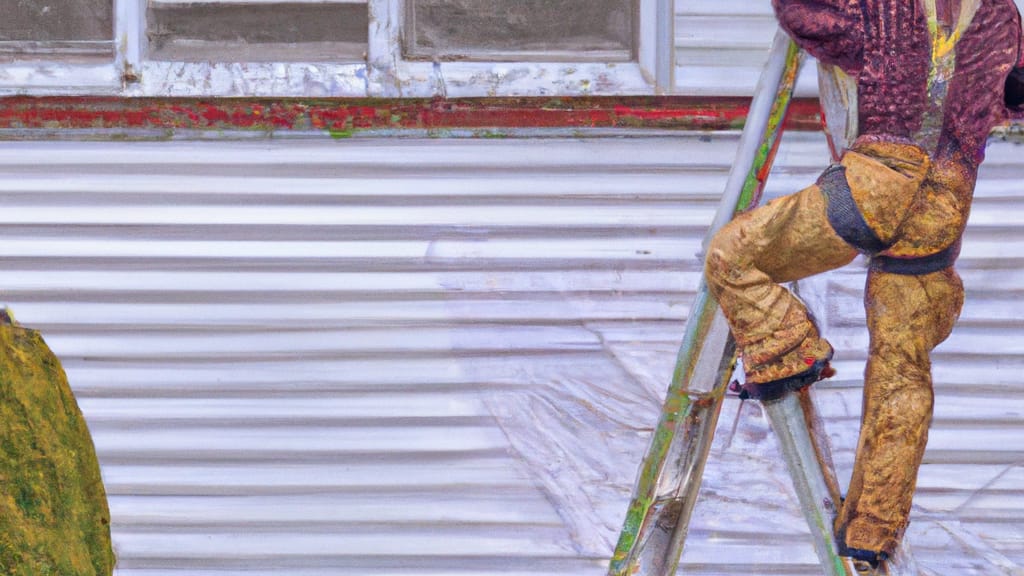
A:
(907, 316)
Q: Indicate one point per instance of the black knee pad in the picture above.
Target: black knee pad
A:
(843, 213)
(847, 221)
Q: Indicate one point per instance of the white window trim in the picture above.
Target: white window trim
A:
(129, 39)
(384, 74)
(57, 78)
(391, 76)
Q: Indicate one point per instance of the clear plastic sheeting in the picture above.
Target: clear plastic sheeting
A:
(443, 357)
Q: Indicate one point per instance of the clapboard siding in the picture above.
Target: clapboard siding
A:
(427, 357)
(289, 354)
(721, 47)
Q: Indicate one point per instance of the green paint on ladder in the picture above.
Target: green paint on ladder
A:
(758, 175)
(684, 411)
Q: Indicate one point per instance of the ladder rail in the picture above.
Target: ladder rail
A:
(657, 521)
(654, 531)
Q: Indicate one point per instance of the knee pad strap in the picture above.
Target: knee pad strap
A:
(843, 214)
(917, 266)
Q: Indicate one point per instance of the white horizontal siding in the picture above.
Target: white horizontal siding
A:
(721, 47)
(290, 354)
(442, 357)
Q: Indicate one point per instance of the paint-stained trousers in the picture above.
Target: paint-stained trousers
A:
(911, 214)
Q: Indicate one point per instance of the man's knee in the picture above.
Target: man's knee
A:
(722, 262)
(900, 355)
(910, 315)
(898, 379)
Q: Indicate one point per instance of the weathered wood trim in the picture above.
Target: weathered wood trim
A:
(343, 117)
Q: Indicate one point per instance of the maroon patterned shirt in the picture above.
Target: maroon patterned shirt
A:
(886, 46)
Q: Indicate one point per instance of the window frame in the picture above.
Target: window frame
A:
(393, 76)
(383, 74)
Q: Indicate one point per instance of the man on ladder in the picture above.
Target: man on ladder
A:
(933, 77)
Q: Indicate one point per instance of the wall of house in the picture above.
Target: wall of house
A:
(421, 356)
(443, 356)
(721, 47)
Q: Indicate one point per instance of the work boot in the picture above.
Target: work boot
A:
(863, 559)
(800, 367)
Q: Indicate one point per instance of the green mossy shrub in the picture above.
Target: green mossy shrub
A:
(54, 518)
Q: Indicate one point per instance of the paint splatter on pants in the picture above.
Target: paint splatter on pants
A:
(910, 214)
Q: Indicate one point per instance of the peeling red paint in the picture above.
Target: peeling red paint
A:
(27, 113)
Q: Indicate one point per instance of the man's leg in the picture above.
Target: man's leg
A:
(860, 204)
(787, 239)
(907, 317)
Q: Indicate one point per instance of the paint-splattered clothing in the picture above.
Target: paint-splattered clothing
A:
(886, 46)
(901, 194)
(908, 315)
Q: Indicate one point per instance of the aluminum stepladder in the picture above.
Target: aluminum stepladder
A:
(656, 524)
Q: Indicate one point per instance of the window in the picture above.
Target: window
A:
(375, 48)
(489, 30)
(65, 27)
(187, 30)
